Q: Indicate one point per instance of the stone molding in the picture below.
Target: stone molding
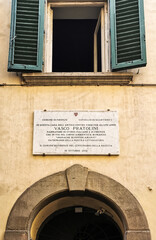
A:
(76, 179)
(138, 235)
(77, 79)
(16, 235)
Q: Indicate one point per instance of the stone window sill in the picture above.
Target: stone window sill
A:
(79, 79)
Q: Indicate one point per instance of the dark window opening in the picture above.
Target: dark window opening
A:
(73, 45)
(67, 224)
(73, 39)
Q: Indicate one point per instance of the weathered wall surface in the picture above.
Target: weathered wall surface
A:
(134, 167)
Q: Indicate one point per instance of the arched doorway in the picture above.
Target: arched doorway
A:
(79, 223)
(77, 186)
(83, 206)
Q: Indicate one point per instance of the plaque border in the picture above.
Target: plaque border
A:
(76, 154)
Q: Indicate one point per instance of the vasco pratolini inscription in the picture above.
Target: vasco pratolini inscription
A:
(76, 133)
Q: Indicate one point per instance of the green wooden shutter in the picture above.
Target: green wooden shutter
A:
(128, 48)
(26, 35)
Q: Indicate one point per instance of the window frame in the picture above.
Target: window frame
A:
(105, 33)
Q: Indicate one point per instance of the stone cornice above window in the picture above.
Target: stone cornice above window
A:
(65, 79)
(79, 79)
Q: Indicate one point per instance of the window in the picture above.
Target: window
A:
(94, 50)
(79, 37)
(73, 39)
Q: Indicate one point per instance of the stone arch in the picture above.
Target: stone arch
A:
(77, 180)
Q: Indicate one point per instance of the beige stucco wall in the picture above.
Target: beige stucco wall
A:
(134, 167)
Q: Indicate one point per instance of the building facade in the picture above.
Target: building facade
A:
(41, 189)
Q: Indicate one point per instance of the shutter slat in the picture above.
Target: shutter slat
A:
(33, 36)
(129, 54)
(30, 32)
(18, 52)
(126, 21)
(30, 12)
(26, 24)
(25, 62)
(122, 45)
(31, 45)
(26, 8)
(23, 49)
(28, 40)
(126, 2)
(129, 49)
(26, 28)
(125, 10)
(127, 34)
(130, 26)
(28, 16)
(129, 58)
(33, 20)
(32, 4)
(130, 33)
(27, 57)
(126, 16)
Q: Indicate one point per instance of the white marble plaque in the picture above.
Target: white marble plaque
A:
(76, 133)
